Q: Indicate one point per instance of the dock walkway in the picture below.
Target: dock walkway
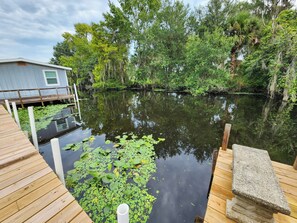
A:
(221, 189)
(29, 189)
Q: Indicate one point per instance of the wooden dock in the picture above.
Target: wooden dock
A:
(222, 184)
(29, 189)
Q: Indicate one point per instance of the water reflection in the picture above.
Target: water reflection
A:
(192, 127)
(62, 123)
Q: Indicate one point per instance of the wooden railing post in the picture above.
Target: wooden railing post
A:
(71, 93)
(295, 164)
(226, 136)
(21, 100)
(57, 93)
(68, 90)
(40, 96)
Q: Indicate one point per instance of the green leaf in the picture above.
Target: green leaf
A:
(106, 210)
(109, 166)
(98, 186)
(107, 142)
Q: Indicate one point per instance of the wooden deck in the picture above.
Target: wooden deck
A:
(36, 95)
(37, 99)
(221, 190)
(29, 190)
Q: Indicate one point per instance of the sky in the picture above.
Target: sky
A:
(30, 28)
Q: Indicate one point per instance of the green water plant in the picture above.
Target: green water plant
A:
(102, 179)
(43, 116)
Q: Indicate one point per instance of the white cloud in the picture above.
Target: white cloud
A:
(31, 28)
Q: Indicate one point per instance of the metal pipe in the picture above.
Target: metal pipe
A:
(123, 213)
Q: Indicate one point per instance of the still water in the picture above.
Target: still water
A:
(192, 128)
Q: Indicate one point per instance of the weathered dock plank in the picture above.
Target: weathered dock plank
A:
(29, 190)
(221, 189)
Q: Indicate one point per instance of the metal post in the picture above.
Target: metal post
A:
(123, 213)
(15, 114)
(77, 100)
(57, 159)
(33, 128)
(8, 106)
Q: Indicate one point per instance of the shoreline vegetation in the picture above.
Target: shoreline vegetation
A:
(226, 46)
(126, 88)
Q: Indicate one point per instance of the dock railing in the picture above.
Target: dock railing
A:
(37, 93)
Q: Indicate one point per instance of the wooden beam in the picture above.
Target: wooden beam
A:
(40, 96)
(20, 97)
(295, 164)
(57, 93)
(215, 154)
(226, 136)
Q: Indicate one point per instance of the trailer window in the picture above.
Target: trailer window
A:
(51, 77)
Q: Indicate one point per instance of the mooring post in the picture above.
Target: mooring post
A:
(226, 136)
(123, 213)
(33, 128)
(57, 159)
(295, 164)
(15, 114)
(8, 106)
(77, 100)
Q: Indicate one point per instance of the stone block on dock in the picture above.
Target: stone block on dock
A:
(257, 192)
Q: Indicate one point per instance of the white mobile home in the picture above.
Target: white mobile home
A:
(23, 79)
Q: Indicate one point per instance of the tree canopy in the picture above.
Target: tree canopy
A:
(225, 46)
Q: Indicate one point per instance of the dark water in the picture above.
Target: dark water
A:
(193, 128)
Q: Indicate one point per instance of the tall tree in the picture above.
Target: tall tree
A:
(275, 58)
(245, 27)
(61, 49)
(206, 60)
(82, 60)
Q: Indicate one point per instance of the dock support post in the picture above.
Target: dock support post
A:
(77, 100)
(15, 114)
(226, 136)
(20, 97)
(57, 159)
(123, 213)
(295, 164)
(8, 106)
(33, 128)
(40, 96)
(72, 93)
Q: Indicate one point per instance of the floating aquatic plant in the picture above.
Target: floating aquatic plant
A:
(104, 178)
(43, 116)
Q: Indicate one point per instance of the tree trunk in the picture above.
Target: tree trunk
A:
(290, 80)
(272, 87)
(233, 60)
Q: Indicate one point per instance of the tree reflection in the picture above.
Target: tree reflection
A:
(194, 125)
